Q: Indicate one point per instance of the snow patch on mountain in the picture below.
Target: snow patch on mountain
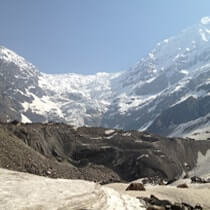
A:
(205, 20)
(25, 119)
(203, 35)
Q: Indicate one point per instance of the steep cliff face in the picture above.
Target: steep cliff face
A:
(103, 155)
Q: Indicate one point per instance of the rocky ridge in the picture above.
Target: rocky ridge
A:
(96, 154)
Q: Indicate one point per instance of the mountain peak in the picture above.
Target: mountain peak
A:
(9, 56)
(205, 20)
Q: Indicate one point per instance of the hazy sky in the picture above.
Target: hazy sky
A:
(88, 36)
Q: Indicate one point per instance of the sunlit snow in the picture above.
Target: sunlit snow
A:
(205, 20)
(27, 191)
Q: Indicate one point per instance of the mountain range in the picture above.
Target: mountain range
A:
(166, 92)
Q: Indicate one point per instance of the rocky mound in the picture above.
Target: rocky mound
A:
(102, 155)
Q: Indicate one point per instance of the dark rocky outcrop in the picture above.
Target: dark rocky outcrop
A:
(153, 203)
(196, 179)
(154, 181)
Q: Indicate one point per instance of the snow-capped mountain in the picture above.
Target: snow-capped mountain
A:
(166, 92)
(35, 96)
(162, 83)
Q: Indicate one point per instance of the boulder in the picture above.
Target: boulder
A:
(136, 187)
(184, 185)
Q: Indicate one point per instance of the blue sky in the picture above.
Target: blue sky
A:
(88, 36)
